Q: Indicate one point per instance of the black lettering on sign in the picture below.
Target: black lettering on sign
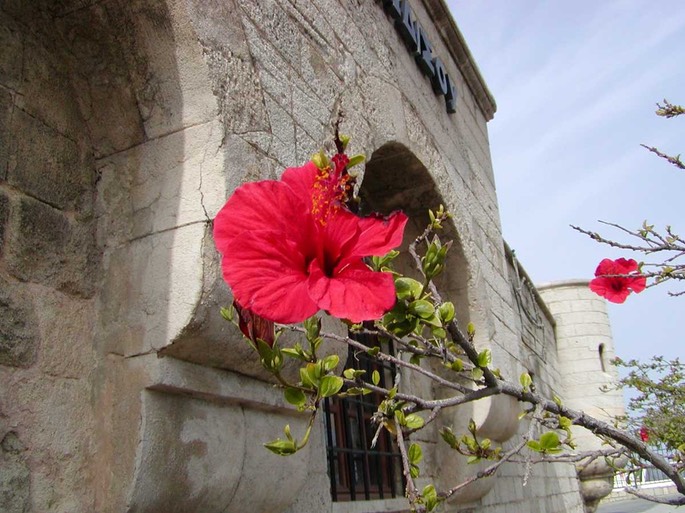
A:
(425, 55)
(409, 27)
(418, 44)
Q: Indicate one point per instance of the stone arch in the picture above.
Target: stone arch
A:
(395, 179)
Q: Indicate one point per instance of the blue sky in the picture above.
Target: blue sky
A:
(576, 84)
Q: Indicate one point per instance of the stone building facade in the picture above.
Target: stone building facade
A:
(124, 125)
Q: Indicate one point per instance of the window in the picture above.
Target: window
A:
(357, 471)
(602, 357)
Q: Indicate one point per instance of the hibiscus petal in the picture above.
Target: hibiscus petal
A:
(301, 180)
(355, 292)
(637, 284)
(268, 204)
(605, 287)
(380, 234)
(267, 273)
(623, 266)
(605, 267)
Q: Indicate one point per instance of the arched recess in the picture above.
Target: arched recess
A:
(395, 179)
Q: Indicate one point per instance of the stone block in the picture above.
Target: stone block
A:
(47, 165)
(47, 88)
(46, 247)
(106, 97)
(168, 72)
(6, 106)
(11, 53)
(18, 327)
(14, 476)
(4, 215)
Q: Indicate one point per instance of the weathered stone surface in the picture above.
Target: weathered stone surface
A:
(18, 327)
(47, 165)
(101, 74)
(4, 215)
(49, 248)
(168, 72)
(235, 81)
(11, 52)
(14, 476)
(6, 107)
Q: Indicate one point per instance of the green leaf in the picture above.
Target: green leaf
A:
(534, 445)
(353, 373)
(471, 330)
(320, 160)
(446, 311)
(414, 471)
(484, 358)
(421, 308)
(415, 454)
(472, 426)
(264, 350)
(414, 421)
(549, 441)
(457, 365)
(449, 437)
(439, 333)
(308, 375)
(407, 288)
(354, 391)
(399, 416)
(282, 447)
(430, 497)
(331, 362)
(356, 160)
(294, 353)
(473, 459)
(375, 377)
(295, 396)
(429, 491)
(373, 351)
(477, 373)
(228, 313)
(433, 321)
(526, 381)
(330, 385)
(564, 422)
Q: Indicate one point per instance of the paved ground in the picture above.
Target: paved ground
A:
(638, 506)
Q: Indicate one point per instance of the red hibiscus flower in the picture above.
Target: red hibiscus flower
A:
(290, 247)
(644, 434)
(615, 279)
(255, 327)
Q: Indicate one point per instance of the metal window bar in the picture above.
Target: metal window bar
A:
(358, 472)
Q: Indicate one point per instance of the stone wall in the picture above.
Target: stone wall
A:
(49, 271)
(123, 128)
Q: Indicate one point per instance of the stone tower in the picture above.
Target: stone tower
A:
(585, 349)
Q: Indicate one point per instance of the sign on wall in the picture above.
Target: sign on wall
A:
(418, 44)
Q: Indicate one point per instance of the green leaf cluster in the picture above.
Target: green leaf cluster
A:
(548, 443)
